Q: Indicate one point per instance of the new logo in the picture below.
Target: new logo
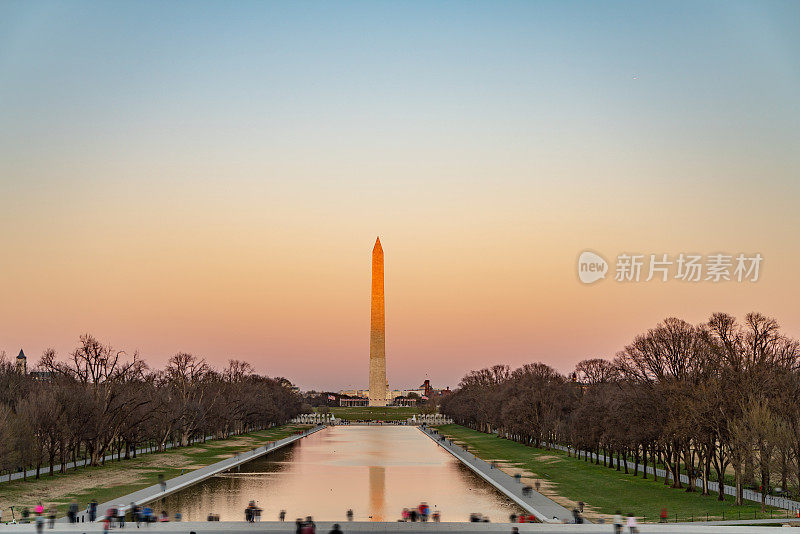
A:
(591, 267)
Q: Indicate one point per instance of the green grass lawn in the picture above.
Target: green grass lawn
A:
(119, 478)
(603, 489)
(374, 413)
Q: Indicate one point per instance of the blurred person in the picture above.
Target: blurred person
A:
(406, 514)
(633, 526)
(72, 512)
(92, 509)
(162, 482)
(51, 517)
(136, 514)
(39, 521)
(163, 518)
(437, 516)
(110, 515)
(309, 527)
(298, 524)
(512, 518)
(663, 518)
(350, 514)
(148, 516)
(120, 517)
(282, 516)
(335, 529)
(424, 510)
(618, 522)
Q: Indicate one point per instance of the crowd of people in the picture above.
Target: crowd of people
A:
(422, 512)
(115, 517)
(252, 513)
(522, 518)
(40, 516)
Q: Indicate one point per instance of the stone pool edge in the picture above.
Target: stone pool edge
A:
(510, 488)
(178, 483)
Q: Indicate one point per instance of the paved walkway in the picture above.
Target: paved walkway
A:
(193, 477)
(793, 521)
(323, 527)
(537, 504)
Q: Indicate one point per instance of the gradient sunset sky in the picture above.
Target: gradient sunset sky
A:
(210, 177)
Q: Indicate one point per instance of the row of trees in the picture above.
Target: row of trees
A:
(705, 400)
(101, 401)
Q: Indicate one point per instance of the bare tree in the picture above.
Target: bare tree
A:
(695, 398)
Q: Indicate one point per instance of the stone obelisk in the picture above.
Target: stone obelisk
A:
(377, 332)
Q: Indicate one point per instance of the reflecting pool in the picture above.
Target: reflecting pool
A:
(374, 470)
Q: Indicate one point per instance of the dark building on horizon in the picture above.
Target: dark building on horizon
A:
(22, 363)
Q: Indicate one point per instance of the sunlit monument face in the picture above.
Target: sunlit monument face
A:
(377, 333)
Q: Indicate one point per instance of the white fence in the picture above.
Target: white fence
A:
(430, 419)
(314, 418)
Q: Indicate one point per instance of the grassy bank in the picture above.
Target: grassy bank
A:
(118, 478)
(374, 413)
(568, 480)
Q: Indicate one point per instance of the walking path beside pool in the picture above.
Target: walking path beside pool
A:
(544, 509)
(172, 485)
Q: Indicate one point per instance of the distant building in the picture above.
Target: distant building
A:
(353, 401)
(41, 375)
(426, 386)
(397, 397)
(355, 393)
(22, 363)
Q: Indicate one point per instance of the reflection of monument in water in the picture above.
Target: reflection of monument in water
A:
(377, 333)
(377, 492)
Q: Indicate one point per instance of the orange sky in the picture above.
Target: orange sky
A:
(213, 181)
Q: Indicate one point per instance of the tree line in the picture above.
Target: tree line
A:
(704, 400)
(100, 401)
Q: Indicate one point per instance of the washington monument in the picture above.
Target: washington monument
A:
(377, 332)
